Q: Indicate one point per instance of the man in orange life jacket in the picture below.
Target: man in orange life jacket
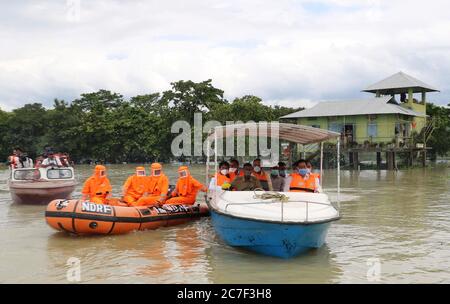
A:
(235, 171)
(186, 190)
(97, 187)
(302, 181)
(313, 174)
(157, 187)
(223, 175)
(14, 159)
(134, 187)
(261, 175)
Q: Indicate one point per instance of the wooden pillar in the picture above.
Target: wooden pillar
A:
(350, 159)
(389, 161)
(394, 161)
(424, 160)
(355, 160)
(379, 160)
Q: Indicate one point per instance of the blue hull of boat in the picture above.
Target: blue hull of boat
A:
(272, 239)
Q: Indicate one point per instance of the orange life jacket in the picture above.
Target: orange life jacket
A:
(233, 175)
(300, 184)
(262, 176)
(222, 179)
(158, 185)
(13, 161)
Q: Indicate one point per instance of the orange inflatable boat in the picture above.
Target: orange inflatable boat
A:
(74, 216)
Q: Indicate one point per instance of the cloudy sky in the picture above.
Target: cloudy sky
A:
(289, 52)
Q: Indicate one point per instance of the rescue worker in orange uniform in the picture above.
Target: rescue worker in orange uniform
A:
(135, 187)
(186, 190)
(302, 181)
(157, 186)
(97, 188)
(235, 171)
(223, 176)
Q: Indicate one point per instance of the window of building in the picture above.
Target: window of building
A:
(335, 127)
(372, 130)
(316, 126)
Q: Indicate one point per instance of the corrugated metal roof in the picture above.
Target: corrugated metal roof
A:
(285, 131)
(355, 107)
(400, 81)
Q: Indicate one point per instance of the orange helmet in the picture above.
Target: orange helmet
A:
(156, 169)
(183, 171)
(140, 171)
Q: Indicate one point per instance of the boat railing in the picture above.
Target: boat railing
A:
(274, 201)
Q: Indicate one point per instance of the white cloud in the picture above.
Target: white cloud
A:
(287, 51)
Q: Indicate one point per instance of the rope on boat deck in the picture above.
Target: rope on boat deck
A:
(271, 195)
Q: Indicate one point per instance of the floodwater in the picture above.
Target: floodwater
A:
(395, 229)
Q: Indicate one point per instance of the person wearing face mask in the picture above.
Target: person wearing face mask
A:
(223, 176)
(247, 182)
(186, 190)
(277, 179)
(302, 181)
(282, 168)
(97, 188)
(261, 175)
(311, 170)
(157, 187)
(134, 187)
(235, 171)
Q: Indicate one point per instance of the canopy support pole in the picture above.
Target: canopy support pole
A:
(321, 164)
(339, 172)
(215, 162)
(208, 143)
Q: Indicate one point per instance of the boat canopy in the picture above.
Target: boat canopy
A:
(290, 132)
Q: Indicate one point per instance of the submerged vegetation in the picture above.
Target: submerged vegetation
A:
(104, 126)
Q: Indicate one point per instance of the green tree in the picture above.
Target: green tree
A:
(440, 138)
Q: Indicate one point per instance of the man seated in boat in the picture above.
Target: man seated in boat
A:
(223, 175)
(186, 190)
(135, 187)
(282, 168)
(311, 171)
(247, 182)
(64, 158)
(235, 171)
(51, 161)
(261, 175)
(157, 187)
(301, 181)
(277, 180)
(97, 188)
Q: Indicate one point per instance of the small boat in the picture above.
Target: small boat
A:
(41, 186)
(84, 218)
(279, 224)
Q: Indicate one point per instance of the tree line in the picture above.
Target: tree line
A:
(104, 126)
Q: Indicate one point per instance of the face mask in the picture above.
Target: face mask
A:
(275, 172)
(257, 169)
(224, 171)
(302, 172)
(283, 173)
(156, 172)
(309, 170)
(232, 170)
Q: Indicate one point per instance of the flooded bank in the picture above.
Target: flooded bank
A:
(395, 222)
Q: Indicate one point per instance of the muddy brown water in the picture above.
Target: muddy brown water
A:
(395, 229)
